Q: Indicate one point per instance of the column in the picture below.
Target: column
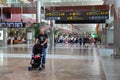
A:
(117, 5)
(38, 20)
(52, 23)
(116, 30)
(52, 35)
(3, 32)
(117, 38)
(106, 35)
(5, 37)
(103, 34)
(110, 37)
(38, 16)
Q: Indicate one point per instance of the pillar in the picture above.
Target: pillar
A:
(116, 38)
(52, 35)
(116, 30)
(105, 35)
(110, 37)
(38, 16)
(5, 37)
(3, 32)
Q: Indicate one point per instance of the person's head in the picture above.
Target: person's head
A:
(41, 31)
(15, 38)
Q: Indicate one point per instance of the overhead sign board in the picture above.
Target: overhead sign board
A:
(77, 15)
(12, 25)
(79, 21)
(98, 12)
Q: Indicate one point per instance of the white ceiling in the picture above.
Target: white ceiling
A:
(71, 2)
(75, 2)
(109, 1)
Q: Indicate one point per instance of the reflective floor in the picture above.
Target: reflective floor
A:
(65, 62)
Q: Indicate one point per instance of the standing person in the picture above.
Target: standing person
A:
(84, 41)
(42, 39)
(91, 40)
(99, 40)
(80, 41)
(95, 42)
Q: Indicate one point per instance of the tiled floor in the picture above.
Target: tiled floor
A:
(63, 63)
(111, 65)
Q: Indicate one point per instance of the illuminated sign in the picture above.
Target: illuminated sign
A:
(77, 15)
(12, 25)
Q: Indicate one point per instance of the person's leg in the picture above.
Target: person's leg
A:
(80, 43)
(44, 57)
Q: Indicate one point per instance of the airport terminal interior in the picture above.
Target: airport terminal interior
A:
(83, 39)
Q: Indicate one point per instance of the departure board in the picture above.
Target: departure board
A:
(77, 15)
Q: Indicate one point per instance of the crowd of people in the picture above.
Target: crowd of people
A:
(82, 40)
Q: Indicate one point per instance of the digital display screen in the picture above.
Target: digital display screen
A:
(77, 15)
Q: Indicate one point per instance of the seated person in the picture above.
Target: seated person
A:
(15, 41)
(23, 40)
